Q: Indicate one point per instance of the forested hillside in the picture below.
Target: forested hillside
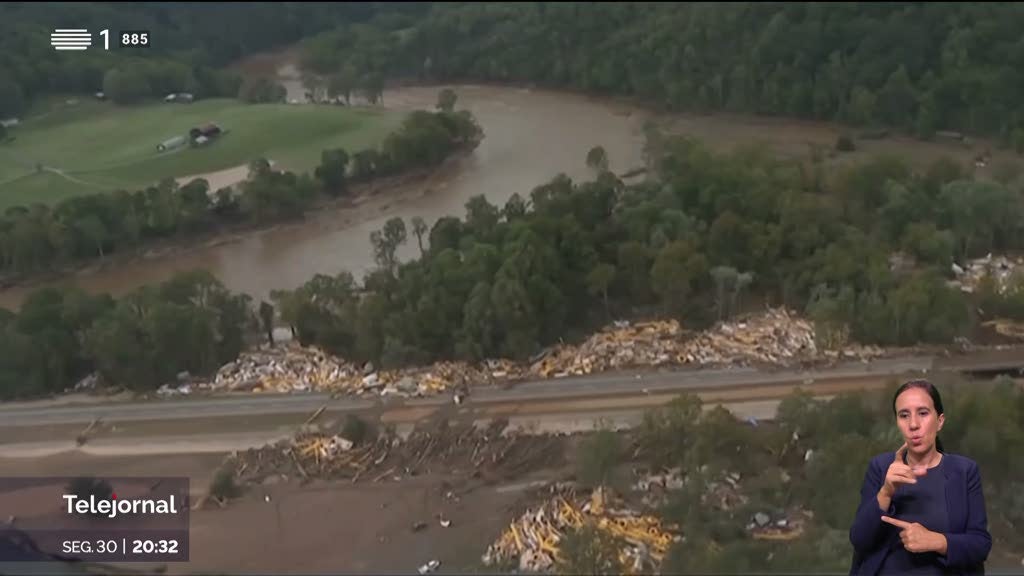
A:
(921, 67)
(190, 43)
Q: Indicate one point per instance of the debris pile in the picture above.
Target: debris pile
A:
(1003, 270)
(505, 370)
(1005, 327)
(489, 453)
(655, 487)
(621, 345)
(88, 383)
(426, 381)
(783, 526)
(289, 368)
(532, 540)
(724, 494)
(293, 368)
(774, 336)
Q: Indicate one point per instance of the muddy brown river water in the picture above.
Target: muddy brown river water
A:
(530, 137)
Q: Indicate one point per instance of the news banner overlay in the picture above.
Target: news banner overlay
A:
(70, 39)
(95, 519)
(133, 38)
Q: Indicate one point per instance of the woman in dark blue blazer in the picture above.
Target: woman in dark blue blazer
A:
(922, 510)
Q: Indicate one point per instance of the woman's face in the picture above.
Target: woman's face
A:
(917, 419)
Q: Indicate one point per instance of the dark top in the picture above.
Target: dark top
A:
(924, 503)
(967, 539)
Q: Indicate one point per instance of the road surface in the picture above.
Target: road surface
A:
(219, 424)
(596, 385)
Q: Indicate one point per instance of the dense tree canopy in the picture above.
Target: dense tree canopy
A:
(709, 231)
(189, 323)
(188, 42)
(261, 90)
(920, 67)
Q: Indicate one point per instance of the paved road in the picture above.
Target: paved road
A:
(593, 386)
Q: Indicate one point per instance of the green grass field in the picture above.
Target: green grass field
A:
(99, 147)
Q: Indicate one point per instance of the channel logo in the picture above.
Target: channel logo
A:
(70, 39)
(112, 507)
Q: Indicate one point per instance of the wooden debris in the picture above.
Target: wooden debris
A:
(315, 415)
(532, 540)
(1004, 271)
(83, 436)
(438, 446)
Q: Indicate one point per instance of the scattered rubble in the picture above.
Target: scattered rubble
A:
(503, 369)
(488, 453)
(293, 368)
(786, 526)
(87, 383)
(773, 337)
(532, 540)
(622, 345)
(289, 368)
(1008, 328)
(724, 493)
(429, 567)
(83, 436)
(1002, 269)
(168, 390)
(655, 487)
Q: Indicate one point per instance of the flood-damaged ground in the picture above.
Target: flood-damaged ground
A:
(282, 522)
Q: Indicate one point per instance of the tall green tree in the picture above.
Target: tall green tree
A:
(419, 229)
(598, 280)
(341, 84)
(332, 171)
(126, 85)
(446, 100)
(597, 159)
(675, 273)
(372, 87)
(386, 242)
(267, 319)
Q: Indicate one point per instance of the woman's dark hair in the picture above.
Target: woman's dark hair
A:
(936, 400)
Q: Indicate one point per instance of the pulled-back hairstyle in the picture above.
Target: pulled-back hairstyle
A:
(936, 400)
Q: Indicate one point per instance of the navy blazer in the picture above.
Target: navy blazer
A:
(968, 540)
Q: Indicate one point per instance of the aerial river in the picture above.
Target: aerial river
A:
(530, 137)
